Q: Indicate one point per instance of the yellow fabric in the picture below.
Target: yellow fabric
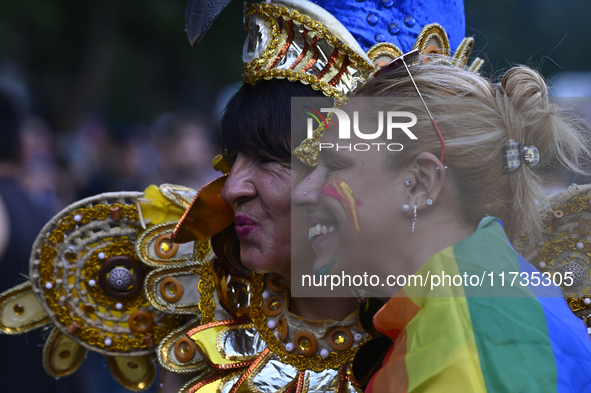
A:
(436, 349)
(158, 208)
(207, 341)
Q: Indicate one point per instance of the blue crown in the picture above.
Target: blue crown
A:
(397, 21)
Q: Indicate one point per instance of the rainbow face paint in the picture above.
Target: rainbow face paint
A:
(339, 189)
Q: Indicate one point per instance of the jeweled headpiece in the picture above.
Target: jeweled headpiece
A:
(302, 42)
(333, 46)
(384, 29)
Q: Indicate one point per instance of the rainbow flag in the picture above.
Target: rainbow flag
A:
(483, 338)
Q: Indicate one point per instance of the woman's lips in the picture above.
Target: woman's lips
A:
(244, 225)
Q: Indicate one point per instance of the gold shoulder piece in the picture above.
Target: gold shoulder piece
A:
(178, 354)
(135, 373)
(174, 289)
(20, 311)
(61, 356)
(564, 249)
(156, 248)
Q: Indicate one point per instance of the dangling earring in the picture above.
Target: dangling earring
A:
(414, 218)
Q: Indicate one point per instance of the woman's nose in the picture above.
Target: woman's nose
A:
(307, 192)
(240, 186)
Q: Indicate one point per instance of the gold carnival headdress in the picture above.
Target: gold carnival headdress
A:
(431, 40)
(302, 42)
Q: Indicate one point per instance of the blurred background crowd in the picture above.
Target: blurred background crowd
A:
(110, 96)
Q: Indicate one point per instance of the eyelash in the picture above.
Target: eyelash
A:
(332, 167)
(265, 160)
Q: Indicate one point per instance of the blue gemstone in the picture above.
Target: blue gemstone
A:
(388, 3)
(393, 28)
(409, 21)
(372, 19)
(380, 37)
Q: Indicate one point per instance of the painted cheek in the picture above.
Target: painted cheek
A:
(340, 190)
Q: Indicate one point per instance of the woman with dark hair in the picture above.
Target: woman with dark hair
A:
(306, 340)
(246, 333)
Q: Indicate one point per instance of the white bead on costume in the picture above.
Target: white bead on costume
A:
(290, 347)
(272, 324)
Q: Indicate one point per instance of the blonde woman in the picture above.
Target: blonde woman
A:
(445, 209)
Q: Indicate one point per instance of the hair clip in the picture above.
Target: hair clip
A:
(516, 153)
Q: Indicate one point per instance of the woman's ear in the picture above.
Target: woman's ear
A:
(429, 174)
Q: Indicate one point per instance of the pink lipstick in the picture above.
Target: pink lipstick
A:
(244, 225)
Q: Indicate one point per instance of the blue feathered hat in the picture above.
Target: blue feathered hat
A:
(397, 21)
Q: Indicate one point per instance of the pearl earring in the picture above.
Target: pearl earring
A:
(405, 207)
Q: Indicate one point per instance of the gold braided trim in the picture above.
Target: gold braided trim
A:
(437, 32)
(90, 335)
(152, 287)
(133, 385)
(202, 249)
(92, 267)
(476, 65)
(257, 69)
(170, 191)
(576, 303)
(143, 244)
(97, 212)
(49, 349)
(554, 249)
(574, 205)
(167, 344)
(198, 382)
(254, 369)
(294, 76)
(384, 49)
(206, 289)
(300, 362)
(13, 294)
(464, 49)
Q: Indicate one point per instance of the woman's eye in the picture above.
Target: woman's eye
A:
(265, 160)
(333, 167)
